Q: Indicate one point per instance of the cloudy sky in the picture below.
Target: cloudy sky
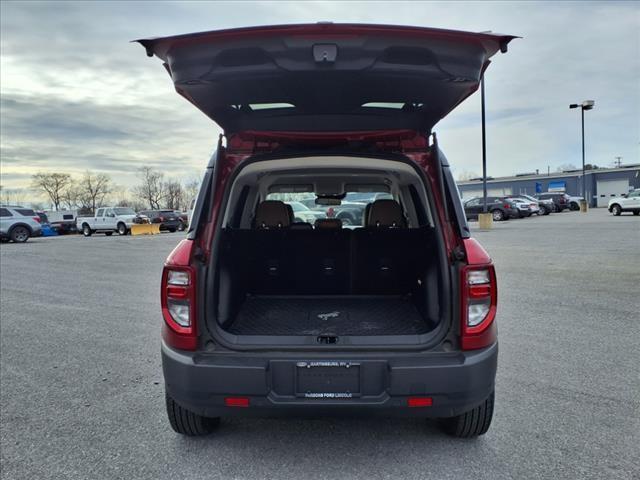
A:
(77, 95)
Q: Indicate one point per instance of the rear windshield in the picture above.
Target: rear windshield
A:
(350, 210)
(27, 212)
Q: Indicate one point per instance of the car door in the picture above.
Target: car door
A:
(631, 201)
(109, 219)
(473, 207)
(98, 220)
(6, 219)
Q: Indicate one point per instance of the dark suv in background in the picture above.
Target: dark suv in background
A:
(265, 315)
(500, 208)
(168, 219)
(561, 201)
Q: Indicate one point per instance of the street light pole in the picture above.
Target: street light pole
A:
(584, 194)
(484, 149)
(586, 105)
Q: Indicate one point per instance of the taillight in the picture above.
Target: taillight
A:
(37, 219)
(178, 296)
(330, 212)
(162, 219)
(479, 298)
(506, 205)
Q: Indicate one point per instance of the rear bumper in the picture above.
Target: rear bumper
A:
(457, 382)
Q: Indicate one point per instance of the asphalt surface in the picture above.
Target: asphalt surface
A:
(82, 391)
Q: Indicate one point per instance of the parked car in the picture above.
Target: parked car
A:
(560, 200)
(525, 208)
(349, 213)
(626, 203)
(574, 202)
(539, 207)
(397, 317)
(304, 214)
(499, 207)
(63, 221)
(18, 223)
(168, 219)
(184, 220)
(107, 220)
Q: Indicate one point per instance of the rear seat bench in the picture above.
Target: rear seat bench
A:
(384, 257)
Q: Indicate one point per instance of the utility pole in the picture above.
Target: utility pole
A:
(618, 161)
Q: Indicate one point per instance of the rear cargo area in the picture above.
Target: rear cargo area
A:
(361, 282)
(328, 315)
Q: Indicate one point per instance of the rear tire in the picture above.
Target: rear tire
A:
(172, 230)
(616, 209)
(181, 227)
(19, 234)
(86, 230)
(122, 229)
(497, 215)
(188, 423)
(472, 423)
(636, 212)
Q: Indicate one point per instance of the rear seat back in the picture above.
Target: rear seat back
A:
(281, 259)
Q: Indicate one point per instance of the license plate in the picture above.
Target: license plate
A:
(327, 379)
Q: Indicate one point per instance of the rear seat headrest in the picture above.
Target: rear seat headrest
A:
(273, 214)
(385, 213)
(328, 224)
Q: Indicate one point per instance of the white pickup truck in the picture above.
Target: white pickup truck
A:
(107, 220)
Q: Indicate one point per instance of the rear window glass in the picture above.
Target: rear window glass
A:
(5, 213)
(27, 212)
(350, 211)
(124, 211)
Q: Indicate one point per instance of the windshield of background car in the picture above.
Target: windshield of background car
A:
(350, 211)
(124, 211)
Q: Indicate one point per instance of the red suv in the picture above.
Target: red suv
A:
(267, 315)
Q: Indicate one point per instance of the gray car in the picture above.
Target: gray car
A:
(18, 223)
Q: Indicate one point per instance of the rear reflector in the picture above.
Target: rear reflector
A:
(416, 402)
(242, 402)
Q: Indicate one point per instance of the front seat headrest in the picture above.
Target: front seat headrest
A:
(272, 214)
(328, 224)
(385, 213)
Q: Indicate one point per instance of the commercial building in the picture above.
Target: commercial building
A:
(601, 184)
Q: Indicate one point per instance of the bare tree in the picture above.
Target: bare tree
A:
(174, 195)
(467, 175)
(565, 167)
(53, 184)
(191, 189)
(13, 196)
(93, 189)
(152, 188)
(71, 196)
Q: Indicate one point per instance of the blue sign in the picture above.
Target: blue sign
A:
(559, 186)
(538, 187)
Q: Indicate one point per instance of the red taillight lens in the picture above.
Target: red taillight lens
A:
(506, 205)
(242, 402)
(178, 295)
(330, 212)
(417, 402)
(37, 219)
(479, 299)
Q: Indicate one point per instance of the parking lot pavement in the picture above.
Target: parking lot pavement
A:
(81, 382)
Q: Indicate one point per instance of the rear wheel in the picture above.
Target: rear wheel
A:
(472, 423)
(181, 227)
(86, 230)
(186, 422)
(636, 212)
(122, 229)
(497, 215)
(172, 230)
(20, 234)
(616, 210)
